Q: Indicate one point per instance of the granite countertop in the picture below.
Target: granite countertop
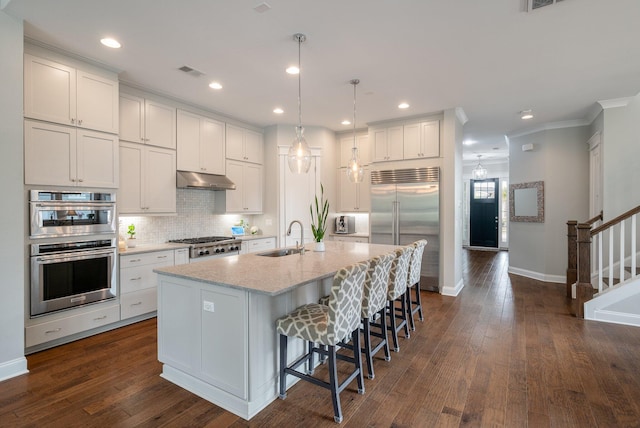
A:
(148, 248)
(355, 235)
(251, 237)
(276, 275)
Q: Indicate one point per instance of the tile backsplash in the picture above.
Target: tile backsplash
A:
(195, 218)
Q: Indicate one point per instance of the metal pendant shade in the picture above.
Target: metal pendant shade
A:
(355, 172)
(299, 155)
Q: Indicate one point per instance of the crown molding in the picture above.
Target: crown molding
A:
(616, 102)
(551, 125)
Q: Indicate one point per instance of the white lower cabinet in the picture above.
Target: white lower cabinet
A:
(138, 282)
(72, 324)
(257, 245)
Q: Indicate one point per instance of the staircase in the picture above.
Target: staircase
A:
(603, 273)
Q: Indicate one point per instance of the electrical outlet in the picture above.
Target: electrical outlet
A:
(208, 306)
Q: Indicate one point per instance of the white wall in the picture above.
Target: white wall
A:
(621, 158)
(12, 246)
(560, 158)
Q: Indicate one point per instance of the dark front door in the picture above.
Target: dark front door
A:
(483, 213)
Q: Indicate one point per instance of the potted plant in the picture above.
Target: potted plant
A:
(131, 231)
(319, 219)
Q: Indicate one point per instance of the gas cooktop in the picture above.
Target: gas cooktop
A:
(211, 246)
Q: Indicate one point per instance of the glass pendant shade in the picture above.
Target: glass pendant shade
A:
(355, 172)
(299, 156)
(479, 172)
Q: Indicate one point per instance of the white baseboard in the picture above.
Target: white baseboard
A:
(13, 368)
(561, 279)
(453, 291)
(615, 317)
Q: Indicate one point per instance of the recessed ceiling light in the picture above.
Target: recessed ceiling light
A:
(215, 85)
(526, 115)
(110, 43)
(346, 122)
(278, 110)
(403, 105)
(469, 142)
(293, 70)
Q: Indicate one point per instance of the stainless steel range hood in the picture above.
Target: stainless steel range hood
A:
(199, 180)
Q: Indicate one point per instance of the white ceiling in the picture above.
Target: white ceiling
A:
(491, 58)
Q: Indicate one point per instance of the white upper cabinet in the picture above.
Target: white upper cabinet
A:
(146, 121)
(387, 143)
(66, 156)
(147, 178)
(422, 140)
(346, 149)
(61, 94)
(247, 198)
(244, 145)
(354, 197)
(200, 144)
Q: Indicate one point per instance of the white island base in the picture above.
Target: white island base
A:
(216, 320)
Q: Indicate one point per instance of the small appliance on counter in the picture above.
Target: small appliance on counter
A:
(345, 224)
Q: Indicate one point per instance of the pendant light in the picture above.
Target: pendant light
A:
(479, 172)
(299, 156)
(355, 172)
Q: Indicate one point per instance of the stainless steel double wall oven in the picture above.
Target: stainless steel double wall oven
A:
(73, 252)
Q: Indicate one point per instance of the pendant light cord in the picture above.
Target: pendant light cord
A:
(355, 83)
(300, 38)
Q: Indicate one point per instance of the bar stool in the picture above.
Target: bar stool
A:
(396, 292)
(414, 282)
(327, 326)
(374, 304)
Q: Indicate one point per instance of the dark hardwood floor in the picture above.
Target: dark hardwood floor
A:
(504, 353)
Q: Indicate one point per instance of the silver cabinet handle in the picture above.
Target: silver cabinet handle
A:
(136, 304)
(55, 330)
(79, 121)
(161, 257)
(73, 120)
(134, 261)
(100, 318)
(136, 279)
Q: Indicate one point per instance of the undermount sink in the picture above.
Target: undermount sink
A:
(280, 252)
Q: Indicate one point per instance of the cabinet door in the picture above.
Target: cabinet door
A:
(430, 133)
(159, 125)
(235, 143)
(97, 157)
(364, 192)
(252, 184)
(364, 149)
(131, 118)
(159, 180)
(379, 137)
(212, 158)
(97, 102)
(49, 154)
(253, 147)
(347, 201)
(130, 191)
(412, 145)
(49, 91)
(235, 173)
(395, 142)
(188, 127)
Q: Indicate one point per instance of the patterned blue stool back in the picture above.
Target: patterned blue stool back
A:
(399, 272)
(376, 283)
(345, 302)
(416, 262)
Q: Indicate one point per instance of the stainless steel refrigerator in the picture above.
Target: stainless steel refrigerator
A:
(405, 208)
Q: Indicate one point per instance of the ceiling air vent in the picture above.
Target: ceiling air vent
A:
(537, 4)
(191, 71)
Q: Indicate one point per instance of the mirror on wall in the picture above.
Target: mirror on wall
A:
(526, 202)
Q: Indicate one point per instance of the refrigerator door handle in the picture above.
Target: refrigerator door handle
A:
(395, 234)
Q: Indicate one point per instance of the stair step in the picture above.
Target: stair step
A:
(628, 269)
(615, 281)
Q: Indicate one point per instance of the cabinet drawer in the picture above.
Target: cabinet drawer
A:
(137, 278)
(161, 258)
(260, 244)
(138, 303)
(73, 324)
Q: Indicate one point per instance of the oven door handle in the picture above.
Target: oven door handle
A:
(75, 206)
(75, 255)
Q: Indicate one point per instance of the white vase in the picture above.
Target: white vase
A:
(319, 246)
(131, 243)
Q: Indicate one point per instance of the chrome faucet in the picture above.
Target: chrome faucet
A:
(301, 247)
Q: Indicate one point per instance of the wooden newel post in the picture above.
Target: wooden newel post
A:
(584, 289)
(572, 255)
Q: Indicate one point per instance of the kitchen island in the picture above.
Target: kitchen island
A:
(216, 319)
